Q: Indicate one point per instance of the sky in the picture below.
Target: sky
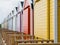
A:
(6, 6)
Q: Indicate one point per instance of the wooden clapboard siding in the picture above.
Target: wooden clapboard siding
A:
(14, 23)
(26, 17)
(41, 19)
(51, 19)
(18, 22)
(26, 20)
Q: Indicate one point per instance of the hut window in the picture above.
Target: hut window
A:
(32, 4)
(22, 4)
(32, 1)
(16, 8)
(12, 12)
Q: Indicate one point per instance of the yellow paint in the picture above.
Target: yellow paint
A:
(51, 19)
(44, 19)
(41, 19)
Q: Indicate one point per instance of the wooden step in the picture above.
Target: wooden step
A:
(35, 40)
(39, 44)
(13, 37)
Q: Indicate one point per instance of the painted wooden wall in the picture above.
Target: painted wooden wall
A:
(51, 19)
(41, 26)
(44, 19)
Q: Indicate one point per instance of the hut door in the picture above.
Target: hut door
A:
(26, 20)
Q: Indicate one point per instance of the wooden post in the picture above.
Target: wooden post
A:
(48, 15)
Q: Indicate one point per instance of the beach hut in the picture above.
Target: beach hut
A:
(20, 8)
(42, 19)
(27, 23)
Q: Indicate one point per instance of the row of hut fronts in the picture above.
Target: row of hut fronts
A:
(21, 18)
(33, 17)
(36, 17)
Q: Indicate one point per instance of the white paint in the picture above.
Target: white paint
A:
(55, 21)
(14, 22)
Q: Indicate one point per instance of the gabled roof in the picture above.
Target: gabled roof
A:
(28, 3)
(20, 5)
(16, 8)
(37, 1)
